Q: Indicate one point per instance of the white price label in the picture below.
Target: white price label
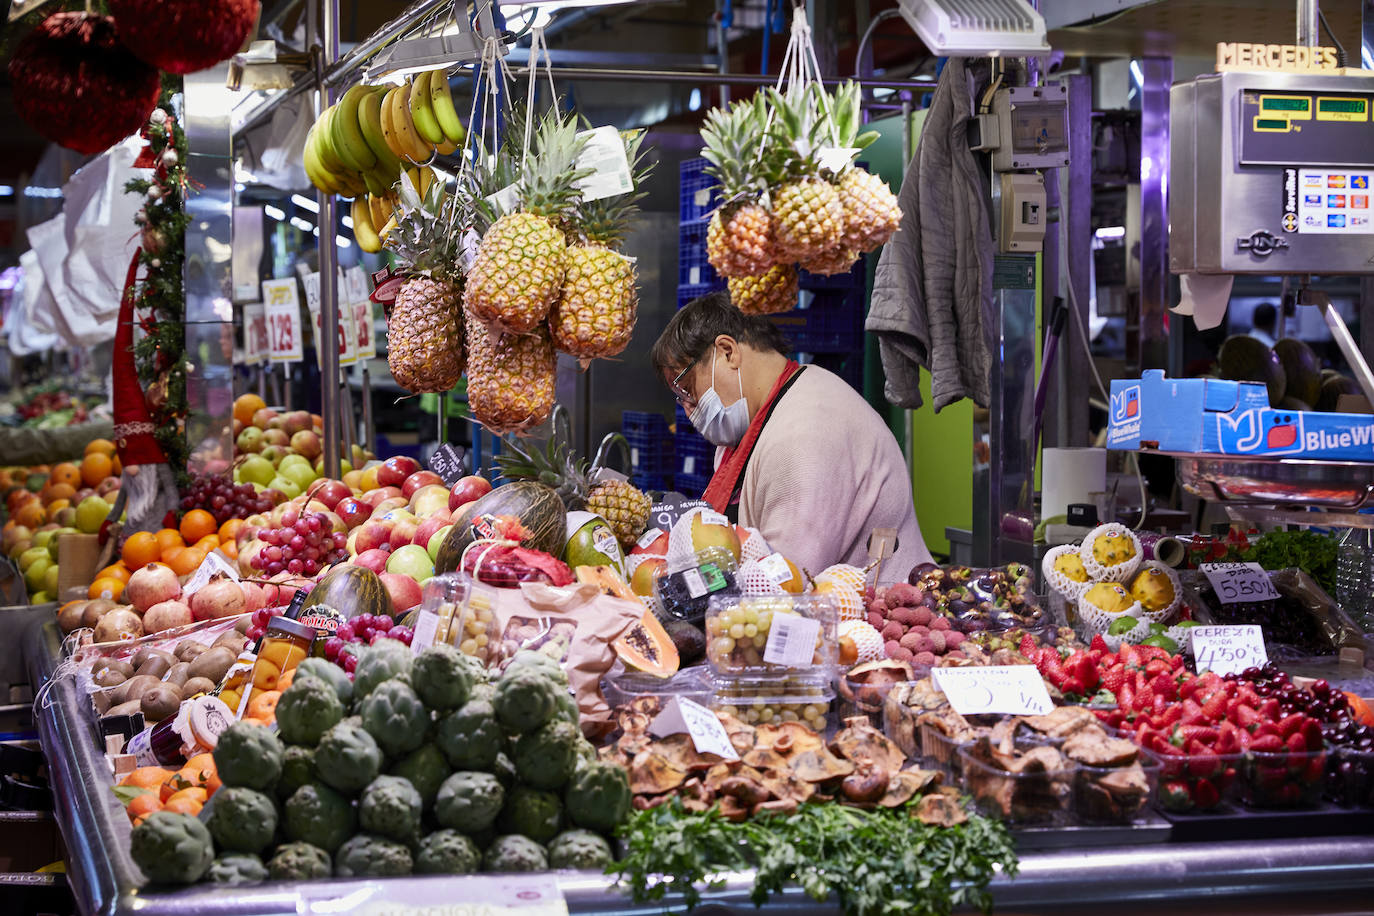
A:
(791, 640)
(707, 732)
(1237, 582)
(482, 895)
(775, 567)
(605, 543)
(362, 326)
(426, 629)
(355, 282)
(650, 535)
(283, 320)
(836, 158)
(255, 344)
(714, 518)
(604, 154)
(311, 284)
(696, 585)
(215, 563)
(689, 464)
(1013, 690)
(1229, 649)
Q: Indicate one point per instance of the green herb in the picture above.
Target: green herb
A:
(875, 862)
(1309, 551)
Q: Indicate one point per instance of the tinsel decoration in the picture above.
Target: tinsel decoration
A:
(183, 36)
(159, 294)
(78, 86)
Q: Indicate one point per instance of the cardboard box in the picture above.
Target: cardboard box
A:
(1219, 417)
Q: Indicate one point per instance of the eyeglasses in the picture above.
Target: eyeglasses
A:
(683, 396)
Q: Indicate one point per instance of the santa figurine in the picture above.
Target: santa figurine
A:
(148, 488)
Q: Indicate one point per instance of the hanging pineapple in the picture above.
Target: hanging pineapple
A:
(771, 292)
(425, 327)
(520, 264)
(624, 506)
(510, 377)
(739, 237)
(871, 213)
(807, 218)
(595, 312)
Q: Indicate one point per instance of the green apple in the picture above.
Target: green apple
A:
(40, 598)
(257, 469)
(50, 579)
(57, 539)
(303, 475)
(289, 487)
(91, 513)
(411, 560)
(294, 459)
(37, 573)
(436, 541)
(32, 556)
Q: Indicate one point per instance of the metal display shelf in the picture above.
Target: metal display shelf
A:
(1289, 482)
(1314, 875)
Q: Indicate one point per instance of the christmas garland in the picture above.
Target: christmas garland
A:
(159, 293)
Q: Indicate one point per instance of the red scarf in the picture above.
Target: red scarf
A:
(726, 479)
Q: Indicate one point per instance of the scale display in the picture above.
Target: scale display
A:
(1289, 128)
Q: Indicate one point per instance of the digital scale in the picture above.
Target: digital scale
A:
(1272, 173)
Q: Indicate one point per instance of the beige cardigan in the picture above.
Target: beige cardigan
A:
(825, 472)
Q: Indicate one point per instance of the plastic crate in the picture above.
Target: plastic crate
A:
(699, 194)
(831, 321)
(692, 267)
(687, 292)
(646, 482)
(693, 455)
(854, 279)
(645, 422)
(692, 485)
(650, 440)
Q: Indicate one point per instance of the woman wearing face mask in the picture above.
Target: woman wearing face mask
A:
(800, 455)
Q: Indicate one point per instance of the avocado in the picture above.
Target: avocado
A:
(1301, 370)
(689, 640)
(1244, 359)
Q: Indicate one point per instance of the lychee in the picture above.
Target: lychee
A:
(879, 605)
(923, 658)
(903, 615)
(901, 655)
(893, 630)
(937, 641)
(892, 647)
(939, 623)
(902, 593)
(922, 615)
(952, 639)
(922, 630)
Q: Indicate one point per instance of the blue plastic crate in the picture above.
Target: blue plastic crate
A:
(644, 421)
(663, 482)
(699, 193)
(854, 279)
(692, 485)
(650, 454)
(831, 321)
(693, 454)
(692, 266)
(687, 293)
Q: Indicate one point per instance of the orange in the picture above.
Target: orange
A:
(196, 524)
(208, 543)
(184, 806)
(168, 538)
(103, 446)
(171, 553)
(263, 707)
(143, 805)
(57, 505)
(60, 491)
(230, 529)
(99, 587)
(245, 405)
(114, 571)
(31, 514)
(67, 473)
(230, 549)
(195, 793)
(140, 549)
(146, 777)
(1359, 708)
(187, 561)
(95, 468)
(116, 467)
(200, 770)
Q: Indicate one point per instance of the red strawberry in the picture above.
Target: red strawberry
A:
(1172, 713)
(1228, 738)
(1202, 762)
(1155, 667)
(1315, 769)
(1113, 679)
(1266, 744)
(1187, 689)
(1213, 709)
(1247, 718)
(1164, 686)
(1205, 795)
(1145, 699)
(1312, 731)
(1296, 744)
(1269, 709)
(1288, 725)
(1228, 776)
(1129, 655)
(1099, 645)
(1267, 728)
(1074, 685)
(1205, 735)
(1027, 646)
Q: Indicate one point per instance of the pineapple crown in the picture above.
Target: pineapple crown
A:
(732, 138)
(847, 108)
(548, 178)
(428, 236)
(799, 131)
(605, 221)
(555, 466)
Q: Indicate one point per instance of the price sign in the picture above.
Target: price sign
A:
(482, 895)
(1014, 690)
(707, 732)
(447, 463)
(355, 282)
(255, 345)
(1237, 582)
(666, 514)
(215, 563)
(347, 337)
(362, 327)
(1230, 649)
(604, 154)
(311, 284)
(283, 320)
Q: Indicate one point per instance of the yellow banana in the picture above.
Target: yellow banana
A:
(422, 177)
(346, 133)
(363, 233)
(324, 149)
(319, 176)
(386, 230)
(447, 148)
(389, 131)
(375, 182)
(379, 209)
(422, 111)
(441, 102)
(416, 149)
(370, 121)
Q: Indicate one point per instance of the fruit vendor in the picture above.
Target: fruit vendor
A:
(800, 455)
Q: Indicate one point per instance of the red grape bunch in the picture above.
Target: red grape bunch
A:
(305, 544)
(363, 630)
(223, 498)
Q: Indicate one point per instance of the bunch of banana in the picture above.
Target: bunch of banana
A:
(418, 119)
(375, 215)
(344, 151)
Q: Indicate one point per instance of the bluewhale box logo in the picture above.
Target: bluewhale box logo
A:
(1260, 430)
(1126, 404)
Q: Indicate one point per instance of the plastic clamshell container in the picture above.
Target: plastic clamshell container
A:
(1281, 779)
(1039, 798)
(463, 616)
(635, 687)
(1350, 777)
(686, 593)
(1194, 782)
(742, 632)
(942, 751)
(1104, 795)
(857, 698)
(760, 699)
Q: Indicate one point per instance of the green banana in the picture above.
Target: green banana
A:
(370, 121)
(441, 101)
(324, 148)
(348, 135)
(319, 176)
(422, 111)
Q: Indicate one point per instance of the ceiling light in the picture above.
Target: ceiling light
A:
(989, 28)
(274, 213)
(348, 221)
(305, 202)
(343, 241)
(301, 224)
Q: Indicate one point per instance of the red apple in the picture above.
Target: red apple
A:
(374, 560)
(276, 437)
(466, 490)
(262, 417)
(353, 511)
(404, 592)
(306, 443)
(429, 500)
(389, 505)
(373, 497)
(420, 479)
(372, 535)
(403, 532)
(330, 492)
(426, 529)
(395, 470)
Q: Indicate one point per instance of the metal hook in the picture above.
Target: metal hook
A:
(613, 439)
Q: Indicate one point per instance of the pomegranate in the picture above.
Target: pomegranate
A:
(118, 625)
(165, 616)
(220, 597)
(151, 585)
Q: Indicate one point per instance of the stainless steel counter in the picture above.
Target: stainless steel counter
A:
(1327, 875)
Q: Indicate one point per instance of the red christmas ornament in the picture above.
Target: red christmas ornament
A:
(183, 36)
(78, 86)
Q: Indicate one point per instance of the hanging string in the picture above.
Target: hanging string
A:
(537, 45)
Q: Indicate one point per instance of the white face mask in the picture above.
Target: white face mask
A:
(718, 424)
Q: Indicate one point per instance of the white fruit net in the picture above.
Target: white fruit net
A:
(853, 576)
(1099, 621)
(1121, 572)
(867, 641)
(1057, 580)
(754, 546)
(682, 554)
(754, 579)
(1169, 611)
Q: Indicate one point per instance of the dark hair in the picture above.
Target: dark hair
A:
(692, 331)
(1265, 315)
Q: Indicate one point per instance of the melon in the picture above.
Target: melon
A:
(351, 589)
(645, 646)
(1244, 359)
(1301, 370)
(539, 509)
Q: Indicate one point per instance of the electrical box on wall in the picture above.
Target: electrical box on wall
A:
(1027, 128)
(1022, 219)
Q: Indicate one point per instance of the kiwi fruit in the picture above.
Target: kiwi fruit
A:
(142, 655)
(122, 666)
(212, 664)
(156, 665)
(108, 677)
(231, 641)
(178, 674)
(197, 685)
(124, 709)
(160, 702)
(135, 687)
(188, 650)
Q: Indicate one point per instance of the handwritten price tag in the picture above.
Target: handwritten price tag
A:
(477, 895)
(707, 732)
(1230, 649)
(255, 345)
(1237, 582)
(283, 320)
(1014, 690)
